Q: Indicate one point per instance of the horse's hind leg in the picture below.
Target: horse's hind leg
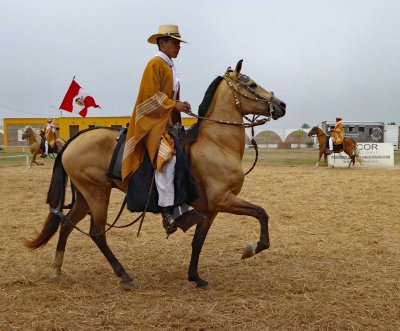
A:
(78, 211)
(197, 244)
(352, 160)
(98, 211)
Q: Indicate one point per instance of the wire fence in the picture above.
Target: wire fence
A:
(14, 155)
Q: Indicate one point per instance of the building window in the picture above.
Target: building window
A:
(361, 129)
(352, 129)
(73, 130)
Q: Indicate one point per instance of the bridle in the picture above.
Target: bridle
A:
(242, 79)
(30, 134)
(319, 133)
(235, 86)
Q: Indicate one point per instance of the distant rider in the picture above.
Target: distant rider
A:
(48, 134)
(337, 135)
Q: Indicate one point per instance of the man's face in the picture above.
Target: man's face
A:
(170, 47)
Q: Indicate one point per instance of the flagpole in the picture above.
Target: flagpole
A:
(52, 122)
(55, 116)
(59, 109)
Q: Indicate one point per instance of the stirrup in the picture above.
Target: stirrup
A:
(168, 221)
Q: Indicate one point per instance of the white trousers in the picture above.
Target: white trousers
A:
(46, 147)
(330, 143)
(165, 184)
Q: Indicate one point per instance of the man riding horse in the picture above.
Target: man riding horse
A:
(49, 137)
(337, 135)
(157, 107)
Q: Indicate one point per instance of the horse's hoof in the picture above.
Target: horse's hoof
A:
(56, 277)
(249, 251)
(206, 287)
(128, 286)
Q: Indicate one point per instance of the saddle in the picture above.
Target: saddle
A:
(336, 147)
(114, 169)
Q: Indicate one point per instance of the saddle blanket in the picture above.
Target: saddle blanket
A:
(336, 147)
(139, 197)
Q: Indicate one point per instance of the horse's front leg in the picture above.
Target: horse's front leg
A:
(197, 244)
(319, 159)
(234, 205)
(34, 161)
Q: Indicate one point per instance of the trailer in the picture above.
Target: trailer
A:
(391, 135)
(360, 131)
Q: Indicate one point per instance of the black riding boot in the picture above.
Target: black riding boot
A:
(168, 219)
(43, 148)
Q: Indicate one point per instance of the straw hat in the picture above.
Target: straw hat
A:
(166, 30)
(338, 118)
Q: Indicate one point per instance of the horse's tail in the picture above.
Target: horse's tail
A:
(55, 199)
(357, 154)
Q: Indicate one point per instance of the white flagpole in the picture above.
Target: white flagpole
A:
(52, 121)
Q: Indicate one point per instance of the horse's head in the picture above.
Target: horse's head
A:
(250, 98)
(28, 131)
(313, 131)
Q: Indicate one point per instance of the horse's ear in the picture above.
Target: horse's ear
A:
(238, 67)
(228, 71)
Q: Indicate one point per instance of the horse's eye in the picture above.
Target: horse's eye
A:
(244, 78)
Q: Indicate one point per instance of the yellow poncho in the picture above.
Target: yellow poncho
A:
(338, 133)
(153, 111)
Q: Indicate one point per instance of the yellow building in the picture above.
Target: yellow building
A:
(66, 126)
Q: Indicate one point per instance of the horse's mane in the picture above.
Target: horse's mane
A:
(322, 130)
(190, 136)
(205, 104)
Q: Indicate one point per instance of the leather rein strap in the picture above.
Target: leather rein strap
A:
(253, 122)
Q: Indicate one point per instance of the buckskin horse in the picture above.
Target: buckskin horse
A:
(215, 157)
(33, 139)
(349, 146)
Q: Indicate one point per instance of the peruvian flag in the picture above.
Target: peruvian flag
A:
(77, 100)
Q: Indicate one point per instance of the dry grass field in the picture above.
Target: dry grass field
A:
(333, 264)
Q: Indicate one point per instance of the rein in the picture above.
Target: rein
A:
(320, 133)
(253, 122)
(58, 210)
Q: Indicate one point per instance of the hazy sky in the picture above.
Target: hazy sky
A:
(322, 57)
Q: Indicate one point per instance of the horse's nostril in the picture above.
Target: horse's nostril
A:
(283, 105)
